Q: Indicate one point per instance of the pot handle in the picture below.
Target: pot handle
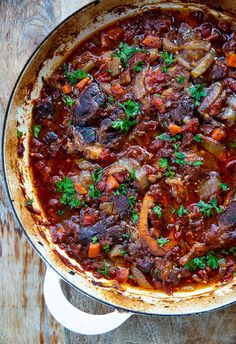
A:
(72, 318)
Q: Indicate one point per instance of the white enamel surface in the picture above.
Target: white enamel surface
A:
(71, 317)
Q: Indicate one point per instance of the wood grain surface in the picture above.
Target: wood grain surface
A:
(24, 317)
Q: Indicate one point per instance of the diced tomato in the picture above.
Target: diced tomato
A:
(158, 103)
(122, 275)
(90, 219)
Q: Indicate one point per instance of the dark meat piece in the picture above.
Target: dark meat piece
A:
(42, 109)
(50, 137)
(146, 264)
(167, 271)
(121, 205)
(87, 106)
(88, 133)
(67, 231)
(107, 135)
(218, 71)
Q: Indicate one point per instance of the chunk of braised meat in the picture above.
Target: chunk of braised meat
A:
(121, 205)
(218, 71)
(66, 231)
(87, 106)
(107, 135)
(168, 271)
(43, 109)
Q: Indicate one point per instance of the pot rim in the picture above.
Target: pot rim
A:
(47, 262)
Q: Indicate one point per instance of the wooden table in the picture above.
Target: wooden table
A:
(24, 317)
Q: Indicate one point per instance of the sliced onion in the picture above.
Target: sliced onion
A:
(231, 101)
(170, 46)
(89, 66)
(140, 278)
(229, 115)
(139, 88)
(183, 62)
(153, 54)
(214, 147)
(212, 94)
(142, 177)
(106, 88)
(116, 251)
(115, 66)
(204, 63)
(196, 45)
(123, 164)
(210, 186)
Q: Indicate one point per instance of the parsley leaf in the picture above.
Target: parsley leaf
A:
(157, 210)
(139, 66)
(60, 212)
(224, 186)
(68, 100)
(233, 144)
(180, 79)
(111, 99)
(19, 134)
(131, 109)
(162, 241)
(126, 236)
(206, 208)
(132, 175)
(132, 200)
(97, 175)
(36, 130)
(105, 271)
(198, 92)
(94, 193)
(198, 163)
(163, 163)
(135, 216)
(210, 259)
(197, 138)
(180, 158)
(75, 76)
(164, 136)
(106, 248)
(94, 239)
(182, 211)
(168, 60)
(66, 186)
(125, 52)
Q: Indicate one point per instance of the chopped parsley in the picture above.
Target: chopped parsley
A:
(111, 99)
(233, 144)
(164, 136)
(131, 109)
(68, 100)
(168, 59)
(180, 158)
(29, 202)
(60, 212)
(126, 236)
(198, 163)
(197, 138)
(75, 76)
(139, 66)
(125, 52)
(182, 211)
(66, 187)
(162, 241)
(132, 175)
(94, 193)
(135, 216)
(207, 208)
(210, 259)
(224, 186)
(106, 248)
(19, 134)
(94, 239)
(97, 175)
(180, 79)
(163, 163)
(198, 92)
(36, 130)
(132, 200)
(123, 253)
(157, 210)
(121, 190)
(105, 271)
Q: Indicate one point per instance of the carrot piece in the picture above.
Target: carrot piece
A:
(117, 90)
(66, 89)
(82, 83)
(231, 60)
(151, 41)
(112, 183)
(80, 189)
(218, 134)
(174, 129)
(94, 250)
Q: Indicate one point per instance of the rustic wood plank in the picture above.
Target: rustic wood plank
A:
(24, 317)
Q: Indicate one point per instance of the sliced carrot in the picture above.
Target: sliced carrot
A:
(151, 41)
(112, 183)
(82, 83)
(94, 250)
(117, 90)
(80, 189)
(231, 60)
(66, 89)
(174, 129)
(218, 134)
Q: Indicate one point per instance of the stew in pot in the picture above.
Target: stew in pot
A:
(133, 151)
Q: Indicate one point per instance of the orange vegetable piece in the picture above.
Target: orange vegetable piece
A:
(66, 89)
(158, 103)
(231, 60)
(112, 183)
(151, 41)
(117, 90)
(82, 83)
(174, 129)
(80, 189)
(94, 250)
(218, 134)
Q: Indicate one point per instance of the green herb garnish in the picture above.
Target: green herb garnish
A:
(97, 175)
(233, 144)
(106, 248)
(131, 200)
(105, 271)
(157, 210)
(135, 216)
(197, 138)
(198, 92)
(168, 59)
(36, 130)
(68, 100)
(182, 211)
(180, 158)
(94, 193)
(224, 186)
(207, 208)
(163, 163)
(198, 163)
(19, 134)
(60, 212)
(139, 66)
(66, 186)
(125, 52)
(121, 190)
(162, 241)
(131, 109)
(164, 136)
(75, 76)
(132, 175)
(180, 79)
(210, 259)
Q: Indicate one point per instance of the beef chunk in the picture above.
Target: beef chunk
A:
(146, 264)
(87, 106)
(121, 205)
(88, 134)
(67, 231)
(218, 71)
(107, 135)
(50, 137)
(42, 109)
(99, 228)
